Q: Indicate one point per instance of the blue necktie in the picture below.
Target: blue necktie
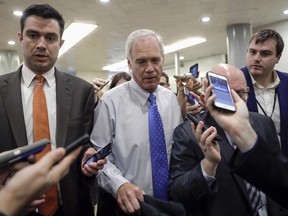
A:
(158, 151)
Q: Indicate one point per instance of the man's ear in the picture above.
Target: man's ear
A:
(20, 37)
(129, 63)
(62, 42)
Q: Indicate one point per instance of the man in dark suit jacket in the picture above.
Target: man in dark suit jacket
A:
(205, 183)
(264, 52)
(72, 101)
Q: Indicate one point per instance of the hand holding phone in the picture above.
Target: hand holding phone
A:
(190, 98)
(205, 127)
(224, 99)
(101, 154)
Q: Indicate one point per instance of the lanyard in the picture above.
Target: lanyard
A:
(274, 103)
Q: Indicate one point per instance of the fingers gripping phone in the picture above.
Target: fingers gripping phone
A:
(101, 154)
(205, 127)
(190, 98)
(194, 70)
(224, 99)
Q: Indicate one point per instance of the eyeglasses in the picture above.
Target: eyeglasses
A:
(243, 94)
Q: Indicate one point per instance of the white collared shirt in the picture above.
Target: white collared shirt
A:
(121, 117)
(265, 96)
(27, 87)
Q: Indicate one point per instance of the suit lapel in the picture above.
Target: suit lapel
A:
(11, 93)
(63, 100)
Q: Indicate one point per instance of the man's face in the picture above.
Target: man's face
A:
(163, 82)
(261, 58)
(146, 63)
(40, 42)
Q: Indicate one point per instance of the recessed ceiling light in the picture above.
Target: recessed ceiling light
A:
(74, 33)
(11, 42)
(285, 12)
(205, 19)
(17, 13)
(181, 58)
(104, 1)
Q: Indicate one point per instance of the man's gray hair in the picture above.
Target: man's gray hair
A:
(139, 34)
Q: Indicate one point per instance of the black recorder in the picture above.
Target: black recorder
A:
(205, 127)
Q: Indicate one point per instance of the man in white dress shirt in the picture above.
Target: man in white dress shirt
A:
(121, 118)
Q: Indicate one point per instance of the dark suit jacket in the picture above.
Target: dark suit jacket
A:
(265, 168)
(188, 185)
(75, 104)
(282, 90)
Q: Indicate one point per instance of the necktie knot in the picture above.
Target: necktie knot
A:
(40, 79)
(152, 98)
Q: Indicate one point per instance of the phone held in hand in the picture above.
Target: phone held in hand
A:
(101, 154)
(224, 99)
(190, 98)
(205, 127)
(22, 153)
(194, 70)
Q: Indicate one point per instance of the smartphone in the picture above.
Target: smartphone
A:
(23, 153)
(190, 98)
(205, 127)
(224, 99)
(84, 139)
(194, 70)
(101, 154)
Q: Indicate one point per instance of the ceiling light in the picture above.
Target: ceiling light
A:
(17, 13)
(104, 1)
(167, 49)
(181, 58)
(285, 12)
(74, 33)
(205, 19)
(119, 66)
(11, 42)
(183, 44)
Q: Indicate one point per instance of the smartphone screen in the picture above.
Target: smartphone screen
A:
(222, 90)
(101, 154)
(194, 70)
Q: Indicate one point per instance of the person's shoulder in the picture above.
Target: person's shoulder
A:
(257, 117)
(282, 75)
(9, 77)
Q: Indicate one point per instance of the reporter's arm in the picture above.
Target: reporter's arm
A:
(34, 180)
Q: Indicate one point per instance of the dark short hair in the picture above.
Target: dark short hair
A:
(166, 76)
(119, 76)
(267, 34)
(45, 11)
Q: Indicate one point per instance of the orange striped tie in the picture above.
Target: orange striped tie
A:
(41, 131)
